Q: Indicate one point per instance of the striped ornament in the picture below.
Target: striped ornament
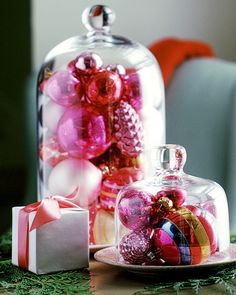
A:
(183, 237)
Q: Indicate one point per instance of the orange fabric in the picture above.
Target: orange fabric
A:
(171, 52)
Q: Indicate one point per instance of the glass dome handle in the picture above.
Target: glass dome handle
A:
(98, 18)
(170, 157)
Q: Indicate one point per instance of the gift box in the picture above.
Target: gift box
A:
(50, 236)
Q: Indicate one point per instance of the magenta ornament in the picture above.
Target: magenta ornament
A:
(135, 247)
(135, 209)
(104, 88)
(83, 132)
(88, 63)
(128, 130)
(63, 88)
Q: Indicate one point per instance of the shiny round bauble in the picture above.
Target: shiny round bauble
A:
(104, 88)
(88, 63)
(114, 183)
(134, 209)
(176, 195)
(132, 90)
(83, 132)
(51, 153)
(181, 238)
(63, 88)
(135, 247)
(72, 174)
(52, 112)
(103, 228)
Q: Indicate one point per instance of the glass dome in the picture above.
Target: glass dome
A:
(171, 218)
(100, 111)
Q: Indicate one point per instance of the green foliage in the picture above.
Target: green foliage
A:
(18, 282)
(223, 277)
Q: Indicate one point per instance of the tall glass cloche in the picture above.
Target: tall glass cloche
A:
(100, 111)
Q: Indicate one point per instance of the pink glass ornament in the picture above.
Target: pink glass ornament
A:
(52, 112)
(88, 63)
(167, 248)
(135, 246)
(176, 195)
(83, 132)
(128, 130)
(114, 183)
(135, 209)
(132, 90)
(51, 153)
(63, 88)
(72, 174)
(104, 88)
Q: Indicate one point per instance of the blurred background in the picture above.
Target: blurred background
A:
(29, 29)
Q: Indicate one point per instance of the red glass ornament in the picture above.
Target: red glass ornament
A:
(104, 88)
(176, 195)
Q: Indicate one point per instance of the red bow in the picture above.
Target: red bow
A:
(46, 210)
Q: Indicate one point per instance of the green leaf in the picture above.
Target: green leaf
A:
(18, 282)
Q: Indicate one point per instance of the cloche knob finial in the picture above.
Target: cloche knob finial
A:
(98, 18)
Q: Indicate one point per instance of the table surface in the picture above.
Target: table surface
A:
(109, 280)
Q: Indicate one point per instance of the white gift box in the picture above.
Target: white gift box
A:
(59, 245)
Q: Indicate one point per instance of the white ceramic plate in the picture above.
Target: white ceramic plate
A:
(95, 248)
(108, 256)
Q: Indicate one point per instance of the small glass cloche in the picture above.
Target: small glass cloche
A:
(101, 110)
(171, 218)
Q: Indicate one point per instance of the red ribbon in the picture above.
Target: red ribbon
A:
(46, 210)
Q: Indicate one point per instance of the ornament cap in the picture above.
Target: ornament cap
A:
(170, 157)
(98, 18)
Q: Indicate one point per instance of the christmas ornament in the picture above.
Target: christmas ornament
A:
(83, 132)
(188, 236)
(87, 63)
(132, 91)
(118, 69)
(176, 195)
(104, 88)
(112, 159)
(52, 112)
(209, 223)
(134, 209)
(114, 183)
(63, 88)
(128, 130)
(161, 208)
(51, 153)
(103, 228)
(135, 246)
(72, 174)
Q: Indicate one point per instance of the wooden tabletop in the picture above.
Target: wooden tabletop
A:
(109, 280)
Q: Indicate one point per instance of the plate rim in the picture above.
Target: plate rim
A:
(146, 268)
